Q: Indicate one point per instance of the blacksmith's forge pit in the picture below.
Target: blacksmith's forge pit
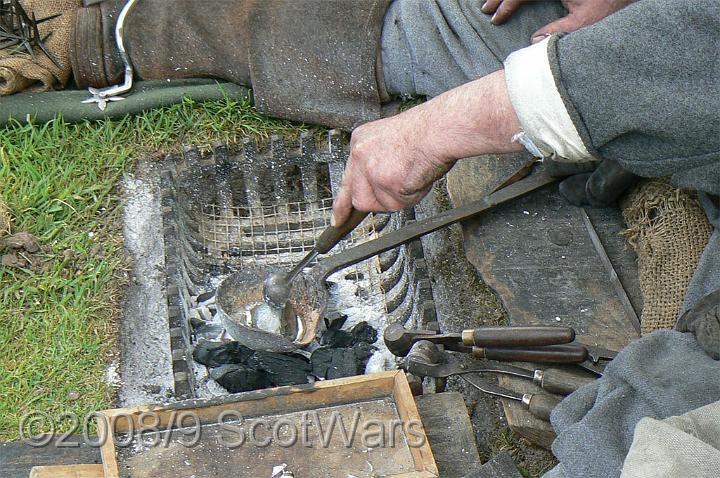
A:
(194, 218)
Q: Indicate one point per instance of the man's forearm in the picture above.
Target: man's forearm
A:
(394, 161)
(473, 119)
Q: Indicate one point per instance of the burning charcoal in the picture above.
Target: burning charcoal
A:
(239, 378)
(335, 323)
(364, 333)
(334, 337)
(330, 363)
(283, 369)
(214, 354)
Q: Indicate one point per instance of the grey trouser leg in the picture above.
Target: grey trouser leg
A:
(707, 275)
(431, 46)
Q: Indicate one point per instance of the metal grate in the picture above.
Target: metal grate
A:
(271, 235)
(226, 210)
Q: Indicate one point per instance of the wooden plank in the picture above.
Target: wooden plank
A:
(67, 471)
(450, 433)
(407, 409)
(537, 255)
(285, 403)
(266, 401)
(519, 419)
(219, 453)
(443, 415)
(17, 458)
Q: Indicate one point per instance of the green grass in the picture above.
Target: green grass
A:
(57, 329)
(531, 460)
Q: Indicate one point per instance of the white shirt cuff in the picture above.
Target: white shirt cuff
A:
(548, 128)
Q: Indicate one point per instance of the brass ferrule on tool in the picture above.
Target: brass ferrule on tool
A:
(468, 337)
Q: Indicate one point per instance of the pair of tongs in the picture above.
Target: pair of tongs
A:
(426, 360)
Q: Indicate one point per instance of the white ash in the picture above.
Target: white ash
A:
(112, 377)
(146, 367)
(206, 387)
(361, 300)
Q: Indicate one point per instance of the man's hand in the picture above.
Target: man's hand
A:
(392, 165)
(581, 13)
(394, 162)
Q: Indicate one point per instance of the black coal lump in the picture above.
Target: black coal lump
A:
(331, 363)
(363, 333)
(237, 378)
(283, 369)
(215, 354)
(334, 336)
(196, 323)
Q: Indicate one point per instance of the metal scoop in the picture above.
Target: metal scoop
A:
(276, 288)
(305, 293)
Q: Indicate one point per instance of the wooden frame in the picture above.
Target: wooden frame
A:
(258, 403)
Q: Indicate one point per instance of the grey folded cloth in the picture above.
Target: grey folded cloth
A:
(703, 320)
(664, 374)
(687, 446)
(701, 310)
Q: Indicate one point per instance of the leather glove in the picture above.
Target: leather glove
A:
(592, 184)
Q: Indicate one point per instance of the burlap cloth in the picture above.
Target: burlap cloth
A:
(669, 230)
(19, 72)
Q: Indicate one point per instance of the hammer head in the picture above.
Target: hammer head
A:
(399, 340)
(424, 352)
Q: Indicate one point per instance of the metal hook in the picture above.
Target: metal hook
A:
(102, 96)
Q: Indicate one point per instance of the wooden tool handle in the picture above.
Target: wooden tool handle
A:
(517, 336)
(561, 382)
(542, 405)
(549, 354)
(332, 235)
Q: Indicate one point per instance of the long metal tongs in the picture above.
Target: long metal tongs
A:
(102, 96)
(276, 288)
(519, 184)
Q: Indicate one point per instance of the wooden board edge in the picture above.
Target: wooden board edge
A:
(537, 436)
(416, 474)
(67, 471)
(407, 409)
(372, 380)
(107, 449)
(393, 382)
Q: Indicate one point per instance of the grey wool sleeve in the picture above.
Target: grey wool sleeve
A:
(643, 87)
